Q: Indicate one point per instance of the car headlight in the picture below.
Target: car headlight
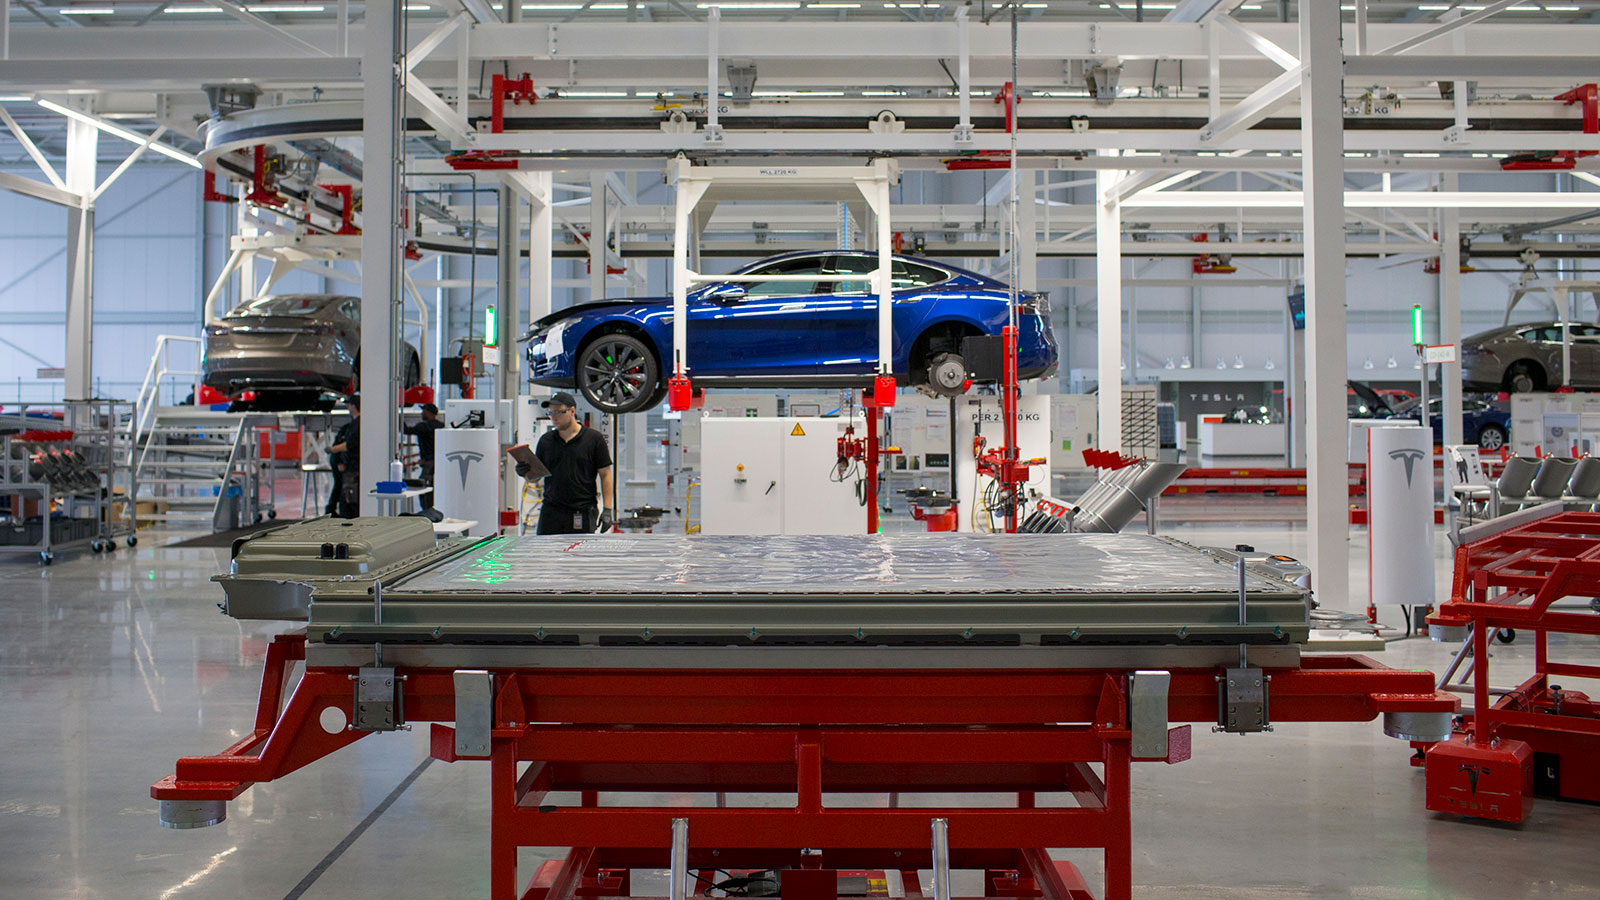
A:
(552, 340)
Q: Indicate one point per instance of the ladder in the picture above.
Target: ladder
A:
(187, 461)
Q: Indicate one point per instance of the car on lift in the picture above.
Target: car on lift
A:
(820, 323)
(1481, 423)
(281, 343)
(1527, 357)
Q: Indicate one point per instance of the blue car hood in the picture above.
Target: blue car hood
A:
(582, 308)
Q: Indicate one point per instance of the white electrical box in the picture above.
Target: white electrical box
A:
(982, 415)
(777, 475)
(1073, 424)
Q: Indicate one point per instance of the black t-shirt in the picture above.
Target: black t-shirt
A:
(423, 431)
(350, 436)
(573, 467)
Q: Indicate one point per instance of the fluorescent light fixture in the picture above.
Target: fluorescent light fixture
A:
(283, 9)
(833, 6)
(14, 98)
(121, 132)
(742, 5)
(797, 93)
(594, 93)
(191, 10)
(1365, 200)
(86, 11)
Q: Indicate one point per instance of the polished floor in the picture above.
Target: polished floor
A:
(112, 667)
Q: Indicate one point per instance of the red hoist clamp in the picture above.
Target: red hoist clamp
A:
(1209, 264)
(210, 194)
(682, 395)
(263, 183)
(867, 449)
(347, 207)
(1562, 160)
(517, 90)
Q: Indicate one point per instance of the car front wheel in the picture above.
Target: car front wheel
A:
(1491, 437)
(618, 374)
(947, 375)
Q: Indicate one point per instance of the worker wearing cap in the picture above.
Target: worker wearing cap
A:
(575, 456)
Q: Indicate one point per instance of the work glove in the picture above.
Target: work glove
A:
(607, 520)
(524, 470)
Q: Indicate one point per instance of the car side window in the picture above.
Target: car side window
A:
(915, 275)
(351, 310)
(1589, 333)
(1541, 334)
(805, 265)
(850, 264)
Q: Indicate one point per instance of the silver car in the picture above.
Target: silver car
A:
(1527, 357)
(282, 342)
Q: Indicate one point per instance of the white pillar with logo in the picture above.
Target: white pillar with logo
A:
(1400, 515)
(466, 477)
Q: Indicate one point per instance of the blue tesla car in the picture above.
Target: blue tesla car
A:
(814, 331)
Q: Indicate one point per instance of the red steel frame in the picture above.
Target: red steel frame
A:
(1509, 580)
(860, 731)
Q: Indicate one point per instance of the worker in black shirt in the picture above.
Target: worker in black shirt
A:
(423, 431)
(345, 457)
(575, 456)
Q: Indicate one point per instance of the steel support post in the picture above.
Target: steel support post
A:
(1322, 137)
(599, 228)
(82, 147)
(383, 56)
(5, 29)
(1108, 255)
(508, 375)
(1450, 310)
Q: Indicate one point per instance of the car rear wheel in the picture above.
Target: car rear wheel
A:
(618, 374)
(1523, 377)
(947, 375)
(1491, 437)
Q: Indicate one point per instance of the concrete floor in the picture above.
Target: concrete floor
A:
(111, 668)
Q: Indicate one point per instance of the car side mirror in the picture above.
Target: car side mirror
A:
(727, 293)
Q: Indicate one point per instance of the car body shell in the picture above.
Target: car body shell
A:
(791, 334)
(1481, 423)
(1490, 359)
(289, 342)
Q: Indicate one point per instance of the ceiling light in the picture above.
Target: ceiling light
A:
(87, 11)
(123, 133)
(282, 9)
(833, 6)
(14, 98)
(741, 5)
(187, 10)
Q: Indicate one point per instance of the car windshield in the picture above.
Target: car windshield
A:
(280, 306)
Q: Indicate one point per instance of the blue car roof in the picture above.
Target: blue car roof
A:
(920, 260)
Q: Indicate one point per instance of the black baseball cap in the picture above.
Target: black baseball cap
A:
(560, 398)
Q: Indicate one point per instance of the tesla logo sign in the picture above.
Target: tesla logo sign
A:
(465, 459)
(1409, 457)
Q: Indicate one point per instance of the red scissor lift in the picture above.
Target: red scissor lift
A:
(1538, 738)
(881, 732)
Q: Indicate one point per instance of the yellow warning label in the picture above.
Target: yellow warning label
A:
(798, 431)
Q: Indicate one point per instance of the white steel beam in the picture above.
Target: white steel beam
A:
(175, 72)
(82, 150)
(32, 148)
(1247, 112)
(963, 130)
(1283, 58)
(1479, 67)
(1196, 10)
(383, 54)
(1327, 475)
(447, 120)
(1108, 308)
(479, 10)
(38, 190)
(1450, 313)
(433, 39)
(127, 163)
(243, 15)
(1445, 28)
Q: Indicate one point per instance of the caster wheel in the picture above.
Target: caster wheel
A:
(111, 545)
(97, 546)
(132, 541)
(1506, 635)
(46, 557)
(272, 514)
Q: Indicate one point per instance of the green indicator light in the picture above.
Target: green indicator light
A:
(491, 336)
(1416, 325)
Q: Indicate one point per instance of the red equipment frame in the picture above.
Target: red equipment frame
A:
(1538, 738)
(859, 731)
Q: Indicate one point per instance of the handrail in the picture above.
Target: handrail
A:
(148, 399)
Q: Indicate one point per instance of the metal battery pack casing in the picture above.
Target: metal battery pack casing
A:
(907, 592)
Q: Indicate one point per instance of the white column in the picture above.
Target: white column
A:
(880, 214)
(508, 245)
(1108, 316)
(1450, 306)
(540, 246)
(380, 239)
(1322, 131)
(598, 230)
(82, 146)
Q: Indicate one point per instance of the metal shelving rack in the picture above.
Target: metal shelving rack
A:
(70, 516)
